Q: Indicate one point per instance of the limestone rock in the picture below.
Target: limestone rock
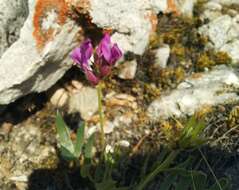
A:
(40, 56)
(85, 102)
(59, 98)
(227, 2)
(133, 28)
(12, 16)
(128, 70)
(218, 86)
(223, 33)
(162, 55)
(186, 7)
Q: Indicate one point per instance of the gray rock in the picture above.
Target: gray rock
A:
(130, 20)
(186, 7)
(36, 61)
(227, 2)
(162, 55)
(84, 101)
(218, 86)
(223, 33)
(128, 70)
(12, 16)
(25, 151)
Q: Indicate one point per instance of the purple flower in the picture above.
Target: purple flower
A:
(82, 54)
(108, 51)
(106, 56)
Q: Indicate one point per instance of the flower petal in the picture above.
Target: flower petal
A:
(104, 48)
(86, 50)
(105, 70)
(82, 54)
(76, 55)
(116, 54)
(94, 80)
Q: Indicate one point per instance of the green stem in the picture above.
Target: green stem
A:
(210, 168)
(170, 158)
(101, 114)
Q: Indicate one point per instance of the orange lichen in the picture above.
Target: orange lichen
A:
(172, 7)
(43, 7)
(82, 6)
(152, 16)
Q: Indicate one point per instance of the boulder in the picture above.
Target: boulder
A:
(34, 59)
(40, 56)
(223, 28)
(218, 86)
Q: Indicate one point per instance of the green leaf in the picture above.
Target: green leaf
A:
(168, 182)
(85, 170)
(199, 180)
(224, 185)
(89, 146)
(66, 154)
(108, 184)
(79, 140)
(183, 184)
(198, 129)
(64, 134)
(189, 126)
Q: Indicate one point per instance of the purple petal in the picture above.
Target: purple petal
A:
(87, 49)
(76, 55)
(94, 80)
(105, 70)
(82, 54)
(104, 48)
(116, 54)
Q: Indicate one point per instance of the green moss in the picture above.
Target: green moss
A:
(222, 58)
(204, 61)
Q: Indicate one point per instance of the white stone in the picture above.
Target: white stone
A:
(12, 16)
(215, 87)
(22, 178)
(24, 69)
(223, 33)
(217, 30)
(128, 70)
(186, 7)
(59, 97)
(227, 2)
(213, 6)
(129, 19)
(123, 143)
(162, 55)
(85, 102)
(161, 5)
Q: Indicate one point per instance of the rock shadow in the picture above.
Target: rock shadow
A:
(224, 164)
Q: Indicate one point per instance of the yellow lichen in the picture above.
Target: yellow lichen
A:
(204, 61)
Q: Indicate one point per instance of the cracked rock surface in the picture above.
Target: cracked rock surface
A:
(215, 87)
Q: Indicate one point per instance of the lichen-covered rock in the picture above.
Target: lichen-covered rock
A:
(223, 28)
(27, 149)
(12, 16)
(133, 28)
(207, 89)
(40, 56)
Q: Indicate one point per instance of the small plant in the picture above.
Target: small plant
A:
(105, 57)
(99, 170)
(73, 150)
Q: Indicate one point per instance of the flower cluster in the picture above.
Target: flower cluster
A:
(105, 57)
